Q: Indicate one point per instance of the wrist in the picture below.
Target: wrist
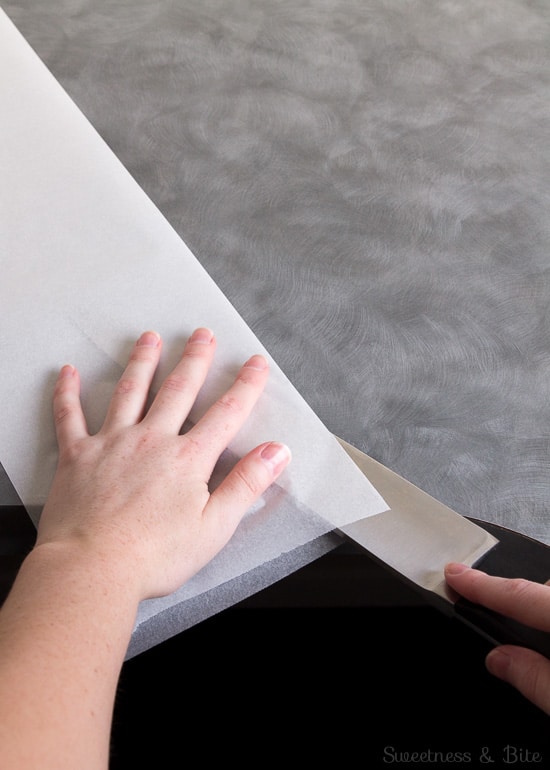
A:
(75, 566)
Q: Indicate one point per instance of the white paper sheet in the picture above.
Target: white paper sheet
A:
(87, 263)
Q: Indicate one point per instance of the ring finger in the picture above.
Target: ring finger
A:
(130, 396)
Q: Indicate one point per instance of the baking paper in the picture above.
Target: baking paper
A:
(88, 263)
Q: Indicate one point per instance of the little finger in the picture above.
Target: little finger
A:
(70, 423)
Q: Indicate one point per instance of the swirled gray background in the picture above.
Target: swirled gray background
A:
(368, 183)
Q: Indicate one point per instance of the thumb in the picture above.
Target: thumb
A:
(526, 670)
(245, 484)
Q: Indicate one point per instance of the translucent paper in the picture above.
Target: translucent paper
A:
(88, 263)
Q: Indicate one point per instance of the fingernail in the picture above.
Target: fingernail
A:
(257, 362)
(205, 336)
(149, 339)
(276, 456)
(454, 568)
(498, 662)
(66, 371)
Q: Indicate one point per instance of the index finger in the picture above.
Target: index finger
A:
(522, 600)
(223, 420)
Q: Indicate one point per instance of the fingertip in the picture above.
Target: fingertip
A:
(453, 569)
(498, 662)
(150, 339)
(202, 335)
(68, 380)
(276, 456)
(257, 362)
(68, 370)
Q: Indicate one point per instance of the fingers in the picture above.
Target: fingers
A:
(525, 670)
(245, 484)
(525, 601)
(224, 419)
(70, 424)
(130, 396)
(179, 390)
(522, 600)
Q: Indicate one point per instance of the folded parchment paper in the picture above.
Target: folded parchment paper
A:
(87, 263)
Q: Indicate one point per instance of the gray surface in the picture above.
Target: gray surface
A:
(368, 183)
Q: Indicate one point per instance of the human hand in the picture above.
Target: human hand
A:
(135, 495)
(525, 601)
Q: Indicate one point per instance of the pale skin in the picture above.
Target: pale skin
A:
(524, 601)
(129, 517)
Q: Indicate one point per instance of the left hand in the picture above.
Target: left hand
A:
(528, 603)
(134, 497)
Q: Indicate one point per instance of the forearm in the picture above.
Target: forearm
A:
(129, 516)
(64, 633)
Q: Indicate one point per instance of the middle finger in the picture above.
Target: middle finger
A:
(179, 390)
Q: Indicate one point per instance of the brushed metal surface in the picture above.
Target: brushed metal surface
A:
(418, 535)
(368, 184)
